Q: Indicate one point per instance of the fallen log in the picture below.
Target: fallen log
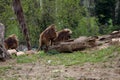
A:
(75, 45)
(115, 34)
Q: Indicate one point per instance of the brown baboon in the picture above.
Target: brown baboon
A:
(63, 35)
(47, 37)
(11, 42)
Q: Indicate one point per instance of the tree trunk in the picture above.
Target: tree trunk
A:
(20, 16)
(3, 52)
(117, 12)
(41, 5)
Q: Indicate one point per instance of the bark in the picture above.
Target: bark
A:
(74, 45)
(117, 12)
(20, 16)
(41, 4)
(3, 52)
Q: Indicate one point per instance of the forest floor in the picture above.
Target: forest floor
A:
(38, 70)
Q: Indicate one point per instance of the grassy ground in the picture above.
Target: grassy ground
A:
(68, 59)
(60, 66)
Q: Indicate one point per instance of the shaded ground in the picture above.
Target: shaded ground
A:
(109, 70)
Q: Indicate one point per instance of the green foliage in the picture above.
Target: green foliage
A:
(8, 18)
(39, 14)
(105, 10)
(106, 29)
(87, 27)
(68, 13)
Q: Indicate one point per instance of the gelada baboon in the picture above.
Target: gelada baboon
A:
(63, 35)
(11, 42)
(47, 37)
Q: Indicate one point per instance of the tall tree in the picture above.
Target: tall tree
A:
(20, 16)
(117, 12)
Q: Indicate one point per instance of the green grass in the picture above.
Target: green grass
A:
(26, 58)
(70, 78)
(4, 68)
(9, 78)
(78, 57)
(68, 59)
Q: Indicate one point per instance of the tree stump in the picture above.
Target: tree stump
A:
(3, 52)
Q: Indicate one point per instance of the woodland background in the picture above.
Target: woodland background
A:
(83, 17)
